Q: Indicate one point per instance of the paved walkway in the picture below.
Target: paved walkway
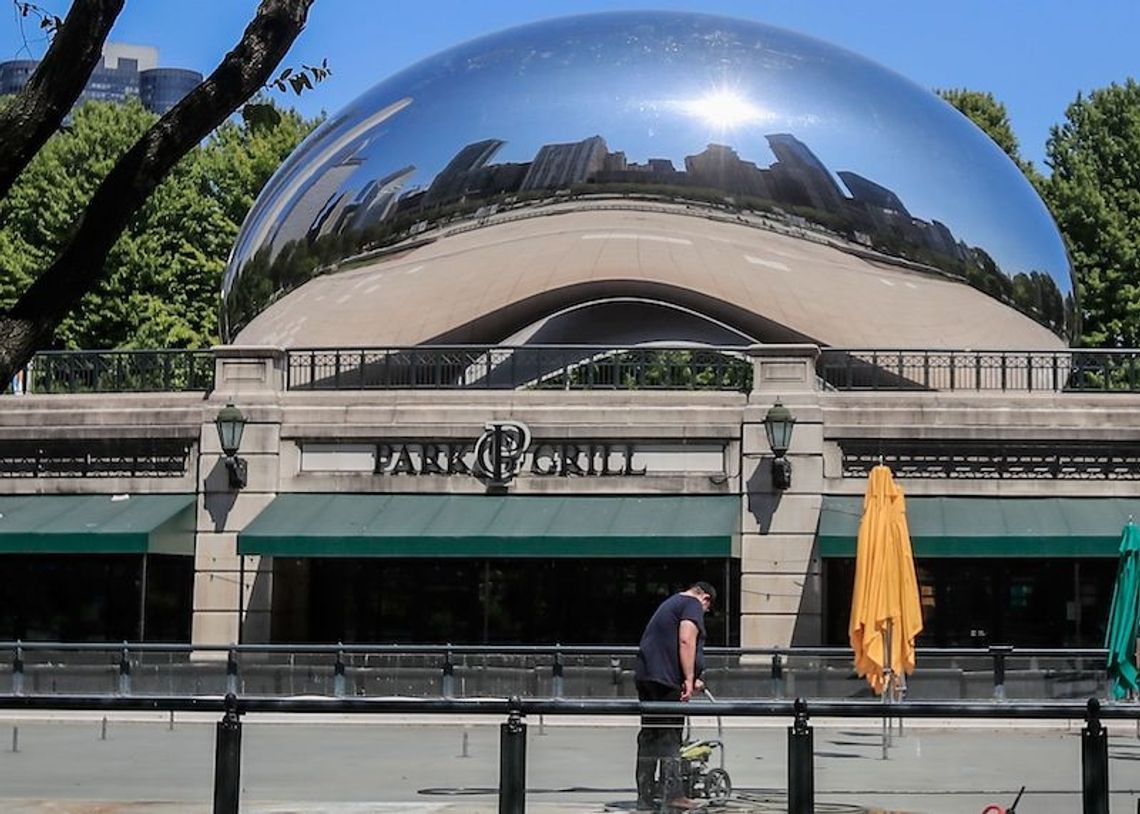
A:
(64, 766)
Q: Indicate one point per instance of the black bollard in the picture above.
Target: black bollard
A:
(125, 671)
(18, 670)
(557, 683)
(231, 672)
(447, 687)
(512, 762)
(227, 760)
(338, 675)
(801, 772)
(1094, 762)
(999, 654)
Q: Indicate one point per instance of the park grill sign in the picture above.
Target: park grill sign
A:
(506, 450)
(503, 451)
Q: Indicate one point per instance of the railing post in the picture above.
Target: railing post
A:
(448, 684)
(231, 672)
(999, 654)
(615, 674)
(338, 674)
(512, 761)
(557, 683)
(1094, 762)
(125, 670)
(227, 760)
(801, 772)
(18, 670)
(777, 676)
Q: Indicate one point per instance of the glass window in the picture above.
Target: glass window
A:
(979, 602)
(468, 601)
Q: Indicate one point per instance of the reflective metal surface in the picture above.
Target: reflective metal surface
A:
(726, 115)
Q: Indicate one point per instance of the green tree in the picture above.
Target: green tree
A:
(28, 121)
(992, 118)
(161, 279)
(1094, 193)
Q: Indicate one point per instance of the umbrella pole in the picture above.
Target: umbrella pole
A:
(888, 682)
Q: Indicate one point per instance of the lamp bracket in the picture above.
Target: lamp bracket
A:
(238, 470)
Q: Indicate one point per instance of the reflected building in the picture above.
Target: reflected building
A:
(719, 167)
(454, 181)
(315, 203)
(562, 165)
(377, 200)
(800, 177)
(868, 192)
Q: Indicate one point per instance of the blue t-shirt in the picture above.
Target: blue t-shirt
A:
(659, 654)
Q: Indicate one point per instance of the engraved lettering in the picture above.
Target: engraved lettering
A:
(545, 460)
(629, 470)
(456, 465)
(570, 460)
(404, 464)
(430, 463)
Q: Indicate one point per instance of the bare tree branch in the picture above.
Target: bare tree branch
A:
(79, 265)
(29, 120)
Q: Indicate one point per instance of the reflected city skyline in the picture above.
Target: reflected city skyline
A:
(666, 106)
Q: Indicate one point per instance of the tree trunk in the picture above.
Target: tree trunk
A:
(19, 339)
(79, 265)
(29, 120)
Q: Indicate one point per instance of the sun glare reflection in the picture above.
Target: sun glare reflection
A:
(725, 110)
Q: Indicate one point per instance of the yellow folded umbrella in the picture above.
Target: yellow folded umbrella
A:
(885, 603)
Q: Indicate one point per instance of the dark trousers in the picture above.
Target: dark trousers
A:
(659, 744)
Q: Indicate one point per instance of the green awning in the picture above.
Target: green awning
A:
(97, 524)
(340, 525)
(990, 526)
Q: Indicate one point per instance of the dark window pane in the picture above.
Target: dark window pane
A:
(469, 601)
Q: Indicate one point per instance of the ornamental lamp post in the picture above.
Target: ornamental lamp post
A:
(231, 424)
(778, 425)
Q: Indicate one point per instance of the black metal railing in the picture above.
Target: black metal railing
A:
(512, 791)
(1087, 371)
(127, 668)
(117, 371)
(579, 367)
(533, 367)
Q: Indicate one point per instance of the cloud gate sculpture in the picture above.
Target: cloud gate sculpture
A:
(648, 177)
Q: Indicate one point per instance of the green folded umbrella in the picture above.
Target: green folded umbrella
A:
(1120, 637)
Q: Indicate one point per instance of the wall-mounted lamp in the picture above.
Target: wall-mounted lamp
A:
(778, 425)
(231, 424)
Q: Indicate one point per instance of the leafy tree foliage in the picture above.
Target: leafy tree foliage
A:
(161, 281)
(1094, 192)
(78, 266)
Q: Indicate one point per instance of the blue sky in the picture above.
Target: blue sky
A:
(1034, 56)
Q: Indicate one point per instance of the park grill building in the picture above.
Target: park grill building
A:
(505, 371)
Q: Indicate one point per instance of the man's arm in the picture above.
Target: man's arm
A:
(687, 635)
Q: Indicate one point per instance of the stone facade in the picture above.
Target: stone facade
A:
(781, 592)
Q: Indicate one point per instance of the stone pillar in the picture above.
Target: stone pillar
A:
(780, 570)
(233, 594)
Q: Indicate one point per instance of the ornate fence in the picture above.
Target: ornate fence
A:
(1093, 371)
(117, 371)
(533, 367)
(579, 367)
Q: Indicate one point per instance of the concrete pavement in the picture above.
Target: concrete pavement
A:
(298, 766)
